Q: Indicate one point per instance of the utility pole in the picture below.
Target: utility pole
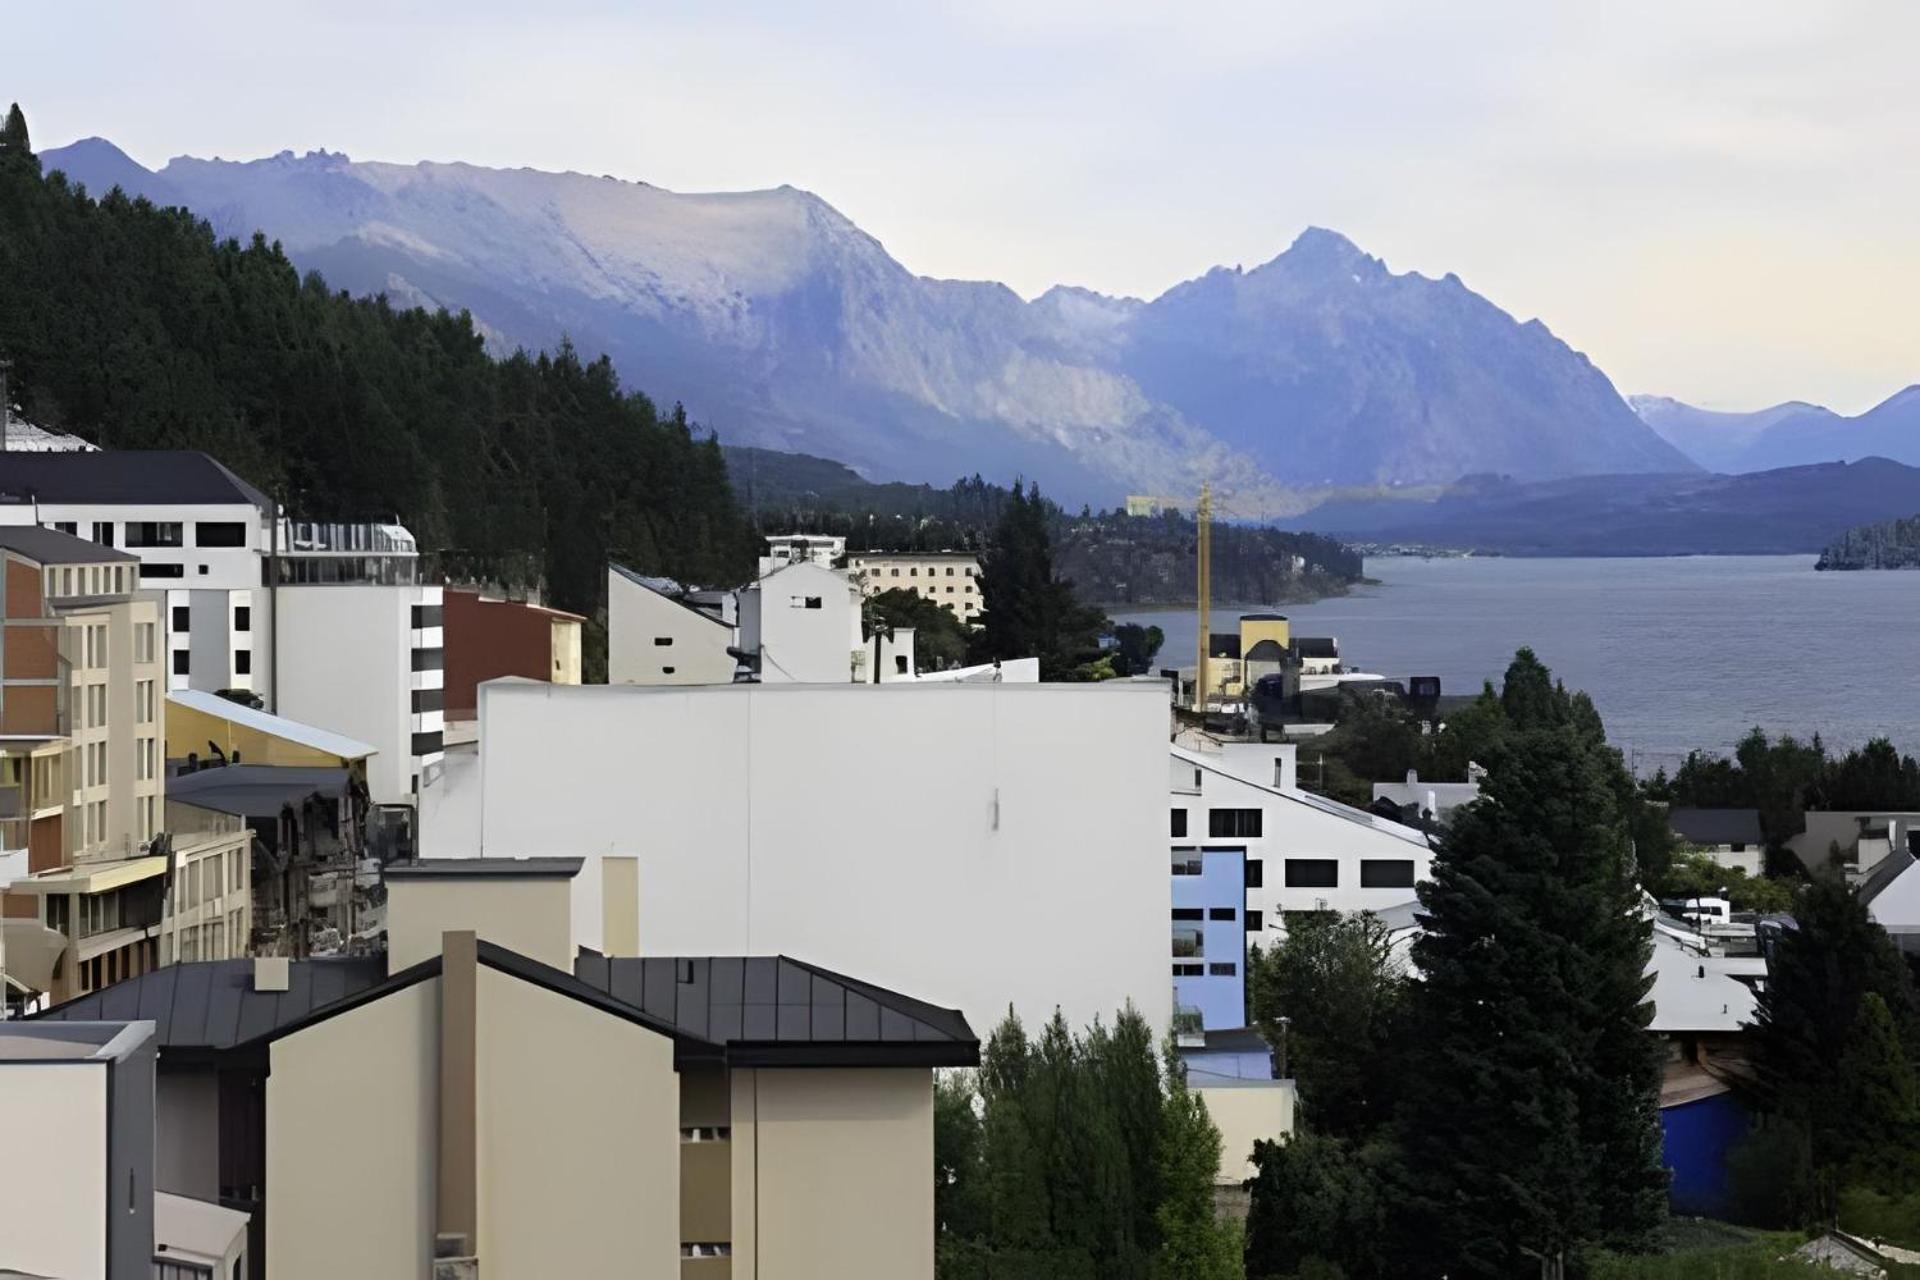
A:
(1203, 581)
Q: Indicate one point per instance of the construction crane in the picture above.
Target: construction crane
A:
(1146, 505)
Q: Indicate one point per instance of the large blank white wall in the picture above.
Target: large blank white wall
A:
(972, 845)
(345, 663)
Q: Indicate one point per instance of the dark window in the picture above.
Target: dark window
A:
(1186, 866)
(153, 533)
(1220, 913)
(163, 571)
(242, 618)
(1256, 873)
(429, 659)
(1187, 913)
(1386, 873)
(1313, 873)
(813, 602)
(661, 641)
(63, 526)
(219, 533)
(425, 744)
(1189, 970)
(182, 617)
(103, 532)
(1223, 970)
(243, 662)
(429, 700)
(1179, 824)
(203, 570)
(1255, 922)
(666, 671)
(1739, 848)
(428, 615)
(900, 664)
(180, 660)
(1243, 823)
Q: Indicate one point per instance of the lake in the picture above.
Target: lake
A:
(1677, 652)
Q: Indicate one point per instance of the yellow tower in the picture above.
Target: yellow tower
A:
(1203, 584)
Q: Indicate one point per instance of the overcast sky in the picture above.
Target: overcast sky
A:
(1716, 200)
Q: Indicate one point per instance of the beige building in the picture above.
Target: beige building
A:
(948, 578)
(82, 774)
(493, 1101)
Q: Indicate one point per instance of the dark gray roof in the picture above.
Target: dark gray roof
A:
(1263, 617)
(666, 589)
(482, 868)
(1315, 647)
(153, 477)
(1884, 873)
(254, 790)
(1717, 826)
(771, 1009)
(50, 546)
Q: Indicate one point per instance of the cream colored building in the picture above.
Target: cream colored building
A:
(473, 1108)
(654, 637)
(950, 579)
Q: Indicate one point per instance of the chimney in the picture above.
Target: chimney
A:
(1413, 777)
(456, 1218)
(1286, 769)
(620, 905)
(522, 904)
(270, 973)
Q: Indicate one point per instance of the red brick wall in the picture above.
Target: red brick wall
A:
(486, 639)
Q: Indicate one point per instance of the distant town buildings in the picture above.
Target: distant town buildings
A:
(950, 579)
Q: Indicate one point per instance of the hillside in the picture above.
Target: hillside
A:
(784, 325)
(137, 329)
(1796, 510)
(1888, 544)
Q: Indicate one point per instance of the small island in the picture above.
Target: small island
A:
(1889, 544)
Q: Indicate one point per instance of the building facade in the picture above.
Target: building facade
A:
(802, 625)
(487, 638)
(950, 579)
(656, 635)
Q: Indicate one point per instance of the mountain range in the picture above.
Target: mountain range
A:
(1792, 434)
(781, 324)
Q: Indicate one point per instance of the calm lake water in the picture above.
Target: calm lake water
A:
(1677, 653)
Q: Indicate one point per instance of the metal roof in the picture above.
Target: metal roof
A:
(306, 735)
(483, 868)
(254, 790)
(667, 589)
(1717, 826)
(1884, 873)
(211, 1004)
(127, 477)
(50, 546)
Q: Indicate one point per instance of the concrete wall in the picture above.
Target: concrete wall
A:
(352, 1111)
(53, 1211)
(529, 915)
(578, 1139)
(972, 845)
(833, 1174)
(638, 619)
(345, 665)
(1245, 1114)
(187, 1133)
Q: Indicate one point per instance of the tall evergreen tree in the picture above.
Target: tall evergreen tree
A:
(1028, 611)
(13, 133)
(1530, 1111)
(1195, 1243)
(1019, 1206)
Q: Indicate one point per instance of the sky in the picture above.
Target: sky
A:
(1713, 200)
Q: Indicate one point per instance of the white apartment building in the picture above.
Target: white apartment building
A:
(656, 636)
(950, 579)
(978, 844)
(328, 623)
(1303, 851)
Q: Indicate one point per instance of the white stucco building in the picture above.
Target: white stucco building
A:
(655, 636)
(803, 620)
(979, 844)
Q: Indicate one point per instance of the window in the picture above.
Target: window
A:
(143, 760)
(203, 570)
(895, 572)
(1386, 873)
(1221, 913)
(429, 659)
(63, 526)
(162, 570)
(429, 700)
(243, 662)
(1256, 873)
(660, 642)
(143, 641)
(154, 533)
(426, 744)
(103, 532)
(1189, 970)
(219, 533)
(1187, 913)
(180, 662)
(666, 671)
(949, 571)
(143, 701)
(900, 664)
(1222, 970)
(1739, 848)
(1177, 828)
(428, 615)
(1244, 823)
(182, 617)
(1313, 873)
(242, 618)
(66, 582)
(1186, 865)
(1255, 922)
(913, 573)
(803, 602)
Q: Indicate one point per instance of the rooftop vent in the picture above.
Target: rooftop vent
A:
(270, 973)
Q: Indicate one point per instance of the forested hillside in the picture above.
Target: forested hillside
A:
(136, 328)
(1890, 544)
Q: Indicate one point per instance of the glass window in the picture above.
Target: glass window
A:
(1386, 873)
(1243, 823)
(154, 533)
(1177, 828)
(242, 618)
(103, 532)
(219, 533)
(1313, 873)
(180, 662)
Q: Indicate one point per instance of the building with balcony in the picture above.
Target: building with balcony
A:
(950, 579)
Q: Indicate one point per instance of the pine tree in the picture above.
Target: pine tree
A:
(1028, 611)
(1195, 1243)
(1019, 1208)
(13, 133)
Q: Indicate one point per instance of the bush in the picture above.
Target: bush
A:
(1770, 1174)
(1879, 1216)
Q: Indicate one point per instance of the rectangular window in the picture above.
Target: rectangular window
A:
(1313, 873)
(66, 582)
(1189, 970)
(429, 700)
(180, 662)
(182, 618)
(154, 533)
(1256, 873)
(143, 701)
(429, 659)
(660, 642)
(1187, 913)
(162, 570)
(63, 526)
(1221, 913)
(1188, 865)
(143, 641)
(144, 758)
(243, 662)
(426, 744)
(1255, 922)
(242, 618)
(219, 533)
(428, 615)
(1222, 970)
(1386, 873)
(1239, 823)
(103, 532)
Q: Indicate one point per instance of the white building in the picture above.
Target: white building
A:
(978, 844)
(655, 636)
(331, 624)
(784, 549)
(1432, 800)
(803, 622)
(950, 579)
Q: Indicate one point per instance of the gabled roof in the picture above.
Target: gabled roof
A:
(666, 589)
(1717, 826)
(307, 735)
(1884, 873)
(50, 546)
(127, 477)
(1332, 808)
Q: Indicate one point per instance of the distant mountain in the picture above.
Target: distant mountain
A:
(1716, 439)
(1797, 510)
(1786, 435)
(782, 324)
